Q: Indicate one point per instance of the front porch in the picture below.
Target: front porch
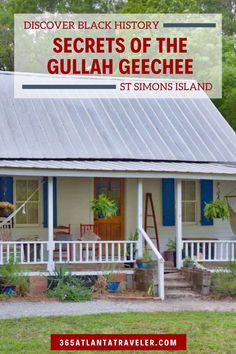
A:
(41, 255)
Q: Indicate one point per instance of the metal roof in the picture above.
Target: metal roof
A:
(145, 129)
(131, 166)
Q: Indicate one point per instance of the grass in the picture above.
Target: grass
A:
(206, 332)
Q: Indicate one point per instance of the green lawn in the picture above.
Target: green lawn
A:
(206, 332)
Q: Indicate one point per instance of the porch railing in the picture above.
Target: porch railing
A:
(94, 251)
(160, 263)
(209, 251)
(36, 252)
(24, 252)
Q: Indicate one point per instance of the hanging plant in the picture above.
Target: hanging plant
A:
(6, 209)
(103, 206)
(217, 209)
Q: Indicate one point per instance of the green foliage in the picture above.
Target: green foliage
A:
(71, 290)
(104, 206)
(160, 6)
(217, 209)
(60, 274)
(132, 237)
(224, 283)
(224, 7)
(207, 332)
(9, 273)
(146, 255)
(187, 262)
(12, 274)
(171, 245)
(226, 105)
(67, 287)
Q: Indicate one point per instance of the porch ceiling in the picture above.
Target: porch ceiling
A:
(117, 168)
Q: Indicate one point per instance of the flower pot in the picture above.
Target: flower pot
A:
(9, 289)
(142, 264)
(170, 256)
(5, 213)
(113, 286)
(101, 216)
(190, 265)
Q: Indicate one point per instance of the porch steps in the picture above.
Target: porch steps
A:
(177, 287)
(169, 269)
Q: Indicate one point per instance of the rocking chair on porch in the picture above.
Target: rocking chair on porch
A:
(62, 233)
(89, 232)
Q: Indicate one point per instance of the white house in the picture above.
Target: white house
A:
(182, 151)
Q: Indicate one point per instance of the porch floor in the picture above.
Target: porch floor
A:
(214, 265)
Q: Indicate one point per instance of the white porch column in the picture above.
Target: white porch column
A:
(50, 245)
(140, 216)
(178, 222)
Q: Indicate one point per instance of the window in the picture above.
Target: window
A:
(189, 202)
(112, 188)
(23, 190)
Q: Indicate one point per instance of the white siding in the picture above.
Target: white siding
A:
(220, 229)
(74, 195)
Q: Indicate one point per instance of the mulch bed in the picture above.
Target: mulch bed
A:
(120, 295)
(126, 295)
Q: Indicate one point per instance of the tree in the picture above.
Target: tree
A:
(227, 105)
(225, 7)
(160, 6)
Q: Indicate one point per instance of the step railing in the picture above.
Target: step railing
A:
(160, 263)
(94, 251)
(209, 250)
(24, 252)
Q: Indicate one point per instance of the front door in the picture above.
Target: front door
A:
(111, 228)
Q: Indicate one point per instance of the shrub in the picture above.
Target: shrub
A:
(12, 274)
(188, 261)
(60, 274)
(224, 283)
(73, 290)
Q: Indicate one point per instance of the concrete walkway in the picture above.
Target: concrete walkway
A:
(54, 308)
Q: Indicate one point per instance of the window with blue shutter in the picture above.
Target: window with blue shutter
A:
(6, 189)
(206, 187)
(45, 201)
(168, 201)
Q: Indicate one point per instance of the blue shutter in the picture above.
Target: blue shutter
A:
(206, 197)
(45, 201)
(6, 189)
(168, 201)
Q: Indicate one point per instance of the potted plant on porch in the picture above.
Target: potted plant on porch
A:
(6, 209)
(145, 262)
(170, 253)
(103, 206)
(132, 237)
(188, 262)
